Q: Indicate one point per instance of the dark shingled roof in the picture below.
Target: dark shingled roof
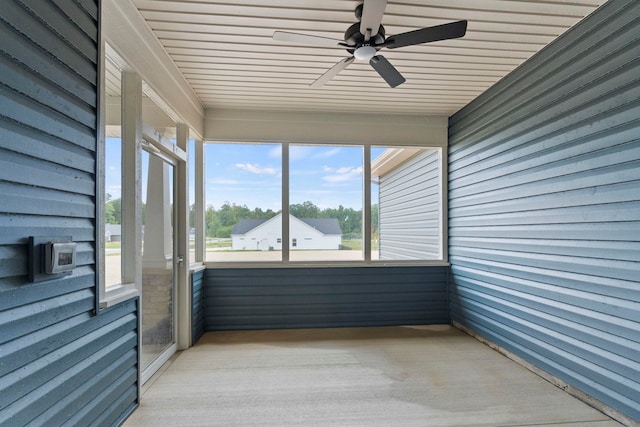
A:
(323, 225)
(246, 225)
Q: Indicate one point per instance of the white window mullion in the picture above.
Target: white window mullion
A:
(131, 177)
(444, 206)
(366, 208)
(285, 202)
(200, 202)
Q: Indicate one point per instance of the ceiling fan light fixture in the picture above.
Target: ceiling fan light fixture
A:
(365, 53)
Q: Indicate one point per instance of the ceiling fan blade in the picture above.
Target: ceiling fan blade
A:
(320, 81)
(372, 12)
(452, 30)
(284, 36)
(386, 70)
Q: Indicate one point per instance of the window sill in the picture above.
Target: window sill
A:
(324, 264)
(118, 294)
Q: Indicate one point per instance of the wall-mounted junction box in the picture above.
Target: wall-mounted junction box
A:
(51, 257)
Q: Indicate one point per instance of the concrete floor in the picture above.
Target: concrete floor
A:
(392, 376)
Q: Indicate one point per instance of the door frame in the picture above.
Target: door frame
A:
(174, 155)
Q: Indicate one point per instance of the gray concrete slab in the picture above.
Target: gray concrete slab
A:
(396, 376)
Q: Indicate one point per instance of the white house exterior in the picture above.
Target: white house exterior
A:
(410, 208)
(112, 232)
(305, 233)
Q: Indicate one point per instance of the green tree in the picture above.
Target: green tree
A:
(374, 220)
(305, 210)
(112, 211)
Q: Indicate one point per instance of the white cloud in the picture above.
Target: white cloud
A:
(327, 154)
(298, 152)
(276, 152)
(114, 190)
(257, 169)
(343, 174)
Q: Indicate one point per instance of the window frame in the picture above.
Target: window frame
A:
(285, 262)
(128, 286)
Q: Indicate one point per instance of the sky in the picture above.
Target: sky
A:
(251, 175)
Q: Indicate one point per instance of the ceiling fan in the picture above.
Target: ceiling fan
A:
(365, 38)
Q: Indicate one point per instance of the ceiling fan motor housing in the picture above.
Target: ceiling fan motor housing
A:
(353, 37)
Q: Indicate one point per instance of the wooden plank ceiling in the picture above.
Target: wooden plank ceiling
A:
(226, 52)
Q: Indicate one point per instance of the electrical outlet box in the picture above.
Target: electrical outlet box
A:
(59, 257)
(51, 257)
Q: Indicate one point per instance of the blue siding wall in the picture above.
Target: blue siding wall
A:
(411, 194)
(272, 298)
(545, 209)
(197, 305)
(59, 362)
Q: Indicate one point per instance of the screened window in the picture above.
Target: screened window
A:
(243, 216)
(113, 175)
(344, 203)
(406, 203)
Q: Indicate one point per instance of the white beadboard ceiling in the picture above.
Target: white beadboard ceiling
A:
(226, 52)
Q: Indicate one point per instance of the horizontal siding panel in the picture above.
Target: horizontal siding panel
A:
(90, 7)
(552, 73)
(410, 211)
(323, 297)
(544, 209)
(197, 310)
(603, 286)
(82, 13)
(616, 269)
(595, 380)
(617, 212)
(30, 26)
(33, 200)
(15, 228)
(323, 302)
(61, 362)
(20, 321)
(569, 175)
(69, 366)
(124, 372)
(617, 231)
(562, 328)
(609, 129)
(571, 113)
(31, 143)
(591, 313)
(38, 89)
(42, 63)
(33, 115)
(115, 402)
(601, 194)
(26, 349)
(571, 158)
(15, 292)
(229, 309)
(284, 321)
(619, 369)
(48, 368)
(244, 289)
(18, 263)
(624, 251)
(29, 171)
(23, 410)
(78, 25)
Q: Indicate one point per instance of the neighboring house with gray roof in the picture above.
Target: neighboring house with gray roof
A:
(112, 232)
(305, 233)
